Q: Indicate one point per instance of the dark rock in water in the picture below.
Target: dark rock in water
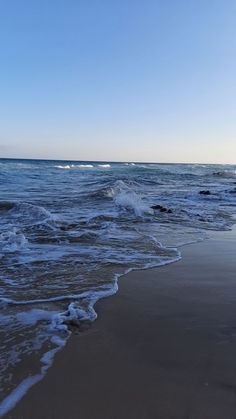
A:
(205, 193)
(157, 207)
(162, 209)
(6, 206)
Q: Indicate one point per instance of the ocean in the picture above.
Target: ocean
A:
(70, 229)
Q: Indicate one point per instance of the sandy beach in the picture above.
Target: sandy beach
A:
(163, 347)
(118, 210)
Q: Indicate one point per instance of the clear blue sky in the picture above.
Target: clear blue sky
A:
(150, 80)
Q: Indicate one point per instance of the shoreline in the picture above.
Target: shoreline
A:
(138, 340)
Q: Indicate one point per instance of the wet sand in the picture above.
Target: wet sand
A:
(164, 347)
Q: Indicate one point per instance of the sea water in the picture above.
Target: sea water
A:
(69, 230)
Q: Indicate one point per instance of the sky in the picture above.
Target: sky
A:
(125, 80)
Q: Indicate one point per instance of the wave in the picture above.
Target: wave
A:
(67, 166)
(12, 241)
(25, 208)
(20, 220)
(36, 211)
(74, 166)
(225, 173)
(126, 198)
(105, 166)
(70, 297)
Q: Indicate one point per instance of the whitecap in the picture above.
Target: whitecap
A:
(127, 198)
(12, 241)
(67, 166)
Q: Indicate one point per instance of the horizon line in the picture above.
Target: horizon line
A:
(114, 161)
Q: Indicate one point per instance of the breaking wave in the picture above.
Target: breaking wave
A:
(126, 198)
(12, 241)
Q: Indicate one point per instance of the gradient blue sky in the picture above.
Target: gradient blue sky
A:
(123, 80)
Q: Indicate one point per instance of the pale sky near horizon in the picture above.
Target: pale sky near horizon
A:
(125, 80)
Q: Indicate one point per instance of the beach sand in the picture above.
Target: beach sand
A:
(163, 347)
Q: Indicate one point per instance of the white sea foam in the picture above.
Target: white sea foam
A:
(74, 166)
(67, 166)
(58, 322)
(12, 241)
(11, 400)
(46, 360)
(127, 198)
(133, 202)
(28, 318)
(105, 166)
(92, 296)
(74, 312)
(71, 297)
(33, 316)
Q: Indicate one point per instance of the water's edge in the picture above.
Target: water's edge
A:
(49, 358)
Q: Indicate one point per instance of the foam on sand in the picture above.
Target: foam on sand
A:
(12, 399)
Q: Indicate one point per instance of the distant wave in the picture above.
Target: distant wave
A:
(74, 166)
(67, 166)
(83, 166)
(225, 173)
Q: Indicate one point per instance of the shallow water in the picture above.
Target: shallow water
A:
(70, 229)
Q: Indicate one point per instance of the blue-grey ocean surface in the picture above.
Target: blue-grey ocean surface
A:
(70, 229)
